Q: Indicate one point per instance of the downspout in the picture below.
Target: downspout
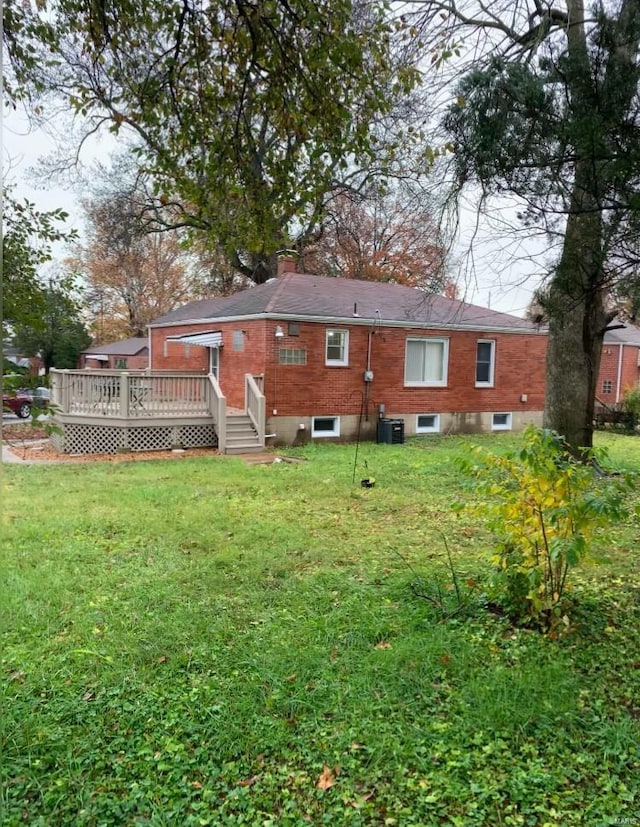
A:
(619, 379)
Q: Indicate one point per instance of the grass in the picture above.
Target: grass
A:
(202, 642)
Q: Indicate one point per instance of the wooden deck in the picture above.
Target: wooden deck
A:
(109, 411)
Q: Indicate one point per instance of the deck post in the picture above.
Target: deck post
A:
(124, 395)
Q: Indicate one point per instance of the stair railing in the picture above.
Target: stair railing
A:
(254, 403)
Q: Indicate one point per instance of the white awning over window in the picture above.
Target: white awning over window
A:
(211, 339)
(97, 356)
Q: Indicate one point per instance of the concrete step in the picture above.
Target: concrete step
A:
(240, 448)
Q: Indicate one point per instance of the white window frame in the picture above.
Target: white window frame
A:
(441, 383)
(428, 429)
(492, 363)
(507, 426)
(344, 361)
(324, 433)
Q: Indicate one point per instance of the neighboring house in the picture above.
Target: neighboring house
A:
(334, 355)
(13, 355)
(129, 354)
(619, 365)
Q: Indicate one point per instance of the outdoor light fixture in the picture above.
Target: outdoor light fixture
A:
(279, 332)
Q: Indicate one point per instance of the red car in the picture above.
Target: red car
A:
(18, 403)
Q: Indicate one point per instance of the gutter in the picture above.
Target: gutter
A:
(344, 321)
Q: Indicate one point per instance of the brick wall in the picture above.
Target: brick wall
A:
(138, 361)
(612, 369)
(315, 389)
(630, 374)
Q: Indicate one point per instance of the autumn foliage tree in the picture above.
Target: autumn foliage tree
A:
(387, 236)
(132, 276)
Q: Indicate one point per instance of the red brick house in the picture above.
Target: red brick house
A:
(619, 365)
(128, 354)
(334, 355)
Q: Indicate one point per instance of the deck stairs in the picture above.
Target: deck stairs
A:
(242, 437)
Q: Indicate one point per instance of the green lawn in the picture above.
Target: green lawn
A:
(203, 642)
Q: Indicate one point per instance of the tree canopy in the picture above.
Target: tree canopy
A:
(28, 234)
(246, 114)
(59, 334)
(132, 275)
(387, 235)
(548, 110)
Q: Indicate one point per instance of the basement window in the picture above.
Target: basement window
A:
(322, 426)
(501, 422)
(428, 423)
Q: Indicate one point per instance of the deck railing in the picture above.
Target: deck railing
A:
(130, 395)
(218, 409)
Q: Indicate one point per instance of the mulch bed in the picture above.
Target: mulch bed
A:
(23, 441)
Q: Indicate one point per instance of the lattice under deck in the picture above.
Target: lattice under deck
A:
(109, 439)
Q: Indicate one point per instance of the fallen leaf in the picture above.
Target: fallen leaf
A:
(326, 779)
(162, 659)
(384, 644)
(248, 782)
(88, 696)
(18, 675)
(291, 677)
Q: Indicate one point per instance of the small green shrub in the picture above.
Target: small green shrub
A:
(544, 506)
(631, 405)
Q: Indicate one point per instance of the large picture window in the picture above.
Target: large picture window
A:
(485, 360)
(426, 362)
(337, 349)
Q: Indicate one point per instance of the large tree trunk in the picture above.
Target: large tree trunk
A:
(573, 360)
(577, 323)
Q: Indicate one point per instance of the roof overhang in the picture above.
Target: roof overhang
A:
(213, 338)
(363, 321)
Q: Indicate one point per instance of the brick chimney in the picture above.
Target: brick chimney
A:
(287, 261)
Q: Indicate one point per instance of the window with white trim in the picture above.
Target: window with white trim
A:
(607, 386)
(337, 347)
(428, 423)
(325, 426)
(501, 422)
(426, 362)
(485, 361)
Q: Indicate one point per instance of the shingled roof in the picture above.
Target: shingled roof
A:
(627, 335)
(318, 298)
(125, 347)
